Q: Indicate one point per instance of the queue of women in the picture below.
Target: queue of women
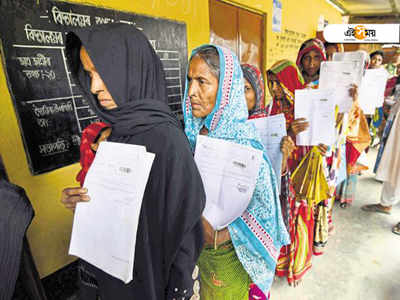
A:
(178, 254)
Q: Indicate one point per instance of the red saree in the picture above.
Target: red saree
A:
(295, 259)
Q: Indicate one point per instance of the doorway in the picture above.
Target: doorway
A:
(238, 29)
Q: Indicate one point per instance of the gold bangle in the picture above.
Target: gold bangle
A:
(215, 239)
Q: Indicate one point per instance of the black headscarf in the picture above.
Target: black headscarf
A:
(169, 236)
(132, 72)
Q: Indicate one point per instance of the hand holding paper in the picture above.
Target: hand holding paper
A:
(339, 77)
(359, 60)
(229, 172)
(299, 125)
(272, 129)
(318, 108)
(104, 229)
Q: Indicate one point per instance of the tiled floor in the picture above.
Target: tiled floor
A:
(362, 260)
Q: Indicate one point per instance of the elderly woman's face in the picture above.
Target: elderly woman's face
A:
(97, 86)
(250, 95)
(203, 87)
(311, 62)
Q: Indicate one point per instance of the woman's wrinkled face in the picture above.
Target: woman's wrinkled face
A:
(330, 50)
(250, 95)
(376, 61)
(203, 87)
(274, 87)
(311, 62)
(97, 86)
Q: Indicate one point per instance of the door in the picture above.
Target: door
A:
(238, 29)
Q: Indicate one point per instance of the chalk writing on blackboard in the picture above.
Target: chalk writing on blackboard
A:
(70, 18)
(43, 36)
(173, 77)
(51, 109)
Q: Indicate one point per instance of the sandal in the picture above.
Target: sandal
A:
(396, 229)
(375, 208)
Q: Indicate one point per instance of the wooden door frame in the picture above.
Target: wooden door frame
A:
(253, 10)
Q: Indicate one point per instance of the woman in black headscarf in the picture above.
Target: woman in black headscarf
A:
(122, 78)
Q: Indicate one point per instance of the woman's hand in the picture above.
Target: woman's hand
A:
(209, 234)
(322, 149)
(353, 92)
(299, 125)
(71, 196)
(287, 147)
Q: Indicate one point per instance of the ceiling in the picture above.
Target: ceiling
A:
(369, 7)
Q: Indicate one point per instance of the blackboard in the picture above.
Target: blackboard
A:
(49, 105)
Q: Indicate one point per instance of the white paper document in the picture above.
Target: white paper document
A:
(229, 173)
(272, 129)
(338, 77)
(372, 91)
(358, 58)
(318, 108)
(105, 228)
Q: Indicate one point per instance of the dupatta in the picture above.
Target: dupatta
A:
(260, 232)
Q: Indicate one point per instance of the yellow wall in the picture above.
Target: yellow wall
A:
(298, 16)
(50, 231)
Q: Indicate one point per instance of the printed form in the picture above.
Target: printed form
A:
(105, 228)
(372, 91)
(229, 172)
(338, 77)
(272, 129)
(358, 58)
(318, 108)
